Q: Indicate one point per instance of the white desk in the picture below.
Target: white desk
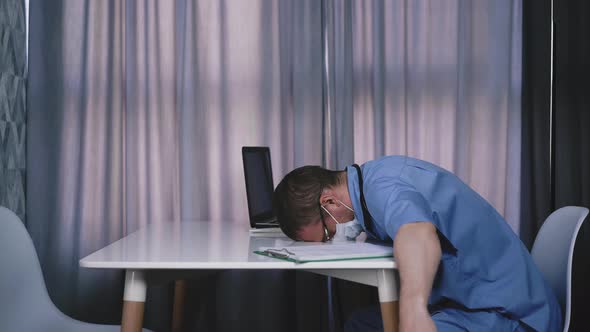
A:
(170, 247)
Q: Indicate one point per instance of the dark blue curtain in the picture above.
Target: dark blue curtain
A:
(571, 144)
(556, 137)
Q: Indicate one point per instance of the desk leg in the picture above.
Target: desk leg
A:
(178, 308)
(133, 301)
(387, 283)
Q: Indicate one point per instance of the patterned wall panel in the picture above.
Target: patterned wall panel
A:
(12, 105)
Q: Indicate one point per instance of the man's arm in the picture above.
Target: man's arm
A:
(417, 254)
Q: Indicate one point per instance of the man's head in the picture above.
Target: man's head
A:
(310, 200)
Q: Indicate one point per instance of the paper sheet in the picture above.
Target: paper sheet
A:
(323, 252)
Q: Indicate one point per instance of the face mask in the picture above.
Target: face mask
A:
(347, 230)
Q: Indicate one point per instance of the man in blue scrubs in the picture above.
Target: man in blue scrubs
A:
(461, 266)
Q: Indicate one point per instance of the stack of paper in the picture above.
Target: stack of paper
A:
(327, 252)
(267, 232)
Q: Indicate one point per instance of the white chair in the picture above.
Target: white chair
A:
(553, 252)
(24, 302)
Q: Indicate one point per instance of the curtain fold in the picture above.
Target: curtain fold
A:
(435, 80)
(250, 75)
(571, 137)
(439, 81)
(103, 156)
(138, 112)
(535, 198)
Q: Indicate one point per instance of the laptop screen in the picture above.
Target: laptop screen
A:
(259, 184)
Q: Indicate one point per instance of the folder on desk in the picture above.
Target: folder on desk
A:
(327, 252)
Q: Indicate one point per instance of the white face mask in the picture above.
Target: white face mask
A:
(347, 230)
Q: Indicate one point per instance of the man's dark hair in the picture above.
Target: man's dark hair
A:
(296, 200)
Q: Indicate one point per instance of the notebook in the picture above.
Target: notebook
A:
(327, 252)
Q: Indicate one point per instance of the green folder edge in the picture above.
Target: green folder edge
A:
(262, 253)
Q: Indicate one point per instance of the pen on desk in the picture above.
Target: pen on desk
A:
(278, 253)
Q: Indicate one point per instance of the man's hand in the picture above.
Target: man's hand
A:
(417, 253)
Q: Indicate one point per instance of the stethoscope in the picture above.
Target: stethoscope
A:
(367, 219)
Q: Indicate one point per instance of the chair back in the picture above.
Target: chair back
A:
(553, 252)
(23, 295)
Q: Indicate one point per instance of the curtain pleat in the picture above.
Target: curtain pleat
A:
(435, 80)
(137, 116)
(571, 137)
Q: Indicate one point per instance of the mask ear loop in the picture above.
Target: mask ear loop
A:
(346, 206)
(328, 212)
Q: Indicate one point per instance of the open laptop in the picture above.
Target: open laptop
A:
(259, 188)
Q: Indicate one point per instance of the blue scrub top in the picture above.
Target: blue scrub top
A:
(484, 265)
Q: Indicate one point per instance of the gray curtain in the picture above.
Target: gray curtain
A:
(436, 80)
(138, 111)
(12, 105)
(102, 159)
(251, 75)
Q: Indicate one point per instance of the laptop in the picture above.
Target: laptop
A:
(259, 188)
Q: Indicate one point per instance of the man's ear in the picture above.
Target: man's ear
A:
(327, 197)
